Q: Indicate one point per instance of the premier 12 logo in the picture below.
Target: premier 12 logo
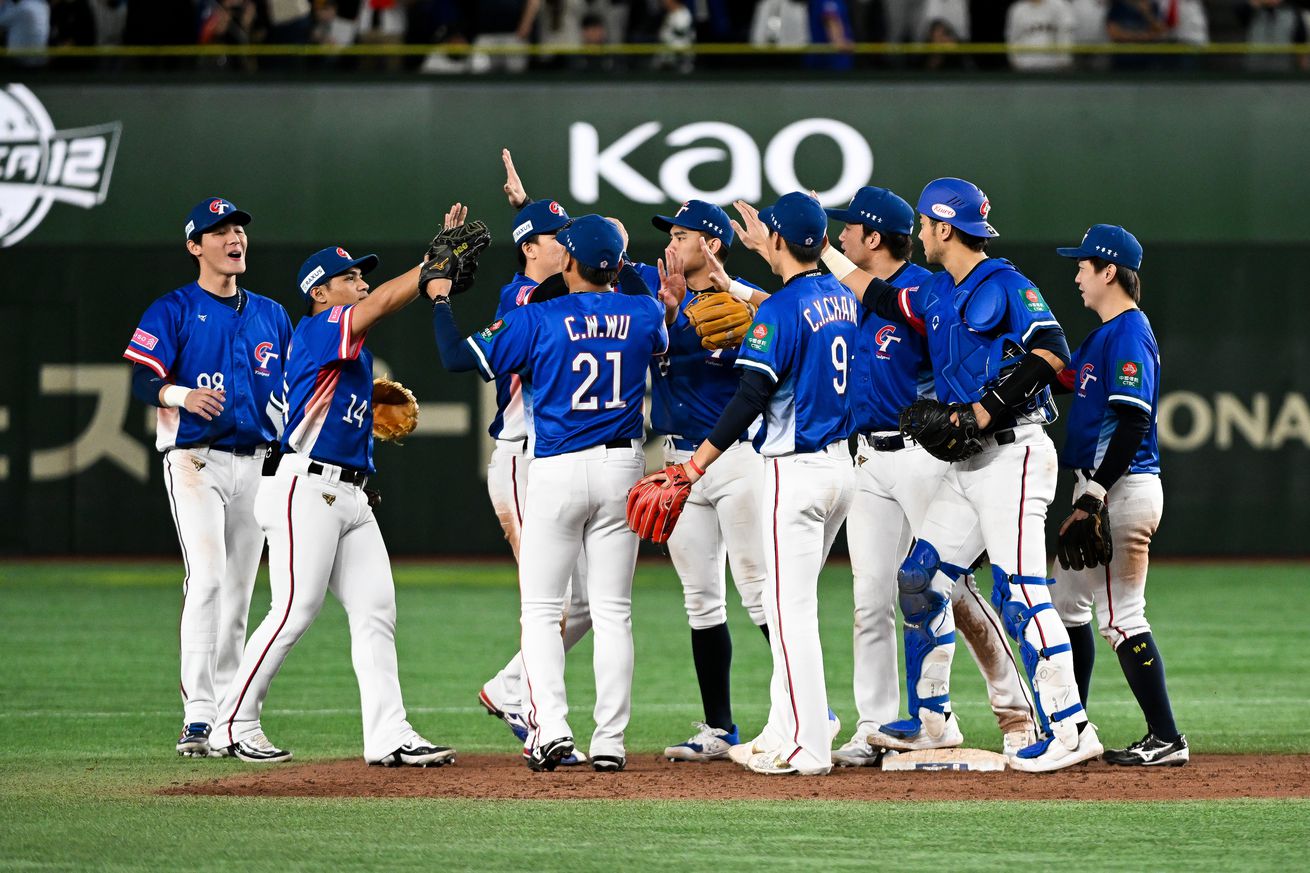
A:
(40, 166)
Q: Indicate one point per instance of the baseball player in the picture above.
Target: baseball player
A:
(193, 349)
(690, 386)
(321, 530)
(995, 346)
(895, 482)
(540, 257)
(795, 364)
(586, 355)
(1112, 449)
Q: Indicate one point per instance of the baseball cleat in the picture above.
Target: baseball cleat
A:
(911, 735)
(707, 744)
(194, 741)
(256, 749)
(574, 759)
(1150, 751)
(1017, 741)
(773, 764)
(516, 721)
(608, 763)
(741, 754)
(547, 756)
(418, 752)
(1045, 756)
(834, 724)
(858, 753)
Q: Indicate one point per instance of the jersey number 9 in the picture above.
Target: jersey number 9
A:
(587, 361)
(840, 360)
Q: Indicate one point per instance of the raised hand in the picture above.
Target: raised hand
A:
(719, 277)
(513, 188)
(751, 230)
(455, 217)
(673, 282)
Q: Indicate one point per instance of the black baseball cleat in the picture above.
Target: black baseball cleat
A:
(1150, 751)
(608, 763)
(258, 750)
(418, 752)
(546, 757)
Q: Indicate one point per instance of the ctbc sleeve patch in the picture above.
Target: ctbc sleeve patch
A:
(1032, 298)
(1128, 374)
(488, 332)
(760, 338)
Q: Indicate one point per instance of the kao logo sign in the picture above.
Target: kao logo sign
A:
(40, 165)
(748, 167)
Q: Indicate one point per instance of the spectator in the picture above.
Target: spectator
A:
(830, 24)
(290, 22)
(72, 23)
(1187, 22)
(1275, 22)
(941, 32)
(561, 22)
(1040, 24)
(780, 23)
(678, 35)
(442, 22)
(1134, 21)
(987, 25)
(497, 23)
(954, 14)
(26, 24)
(1088, 21)
(110, 18)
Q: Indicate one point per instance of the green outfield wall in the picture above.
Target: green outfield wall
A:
(96, 180)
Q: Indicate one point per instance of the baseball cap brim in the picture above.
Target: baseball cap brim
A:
(1076, 252)
(238, 216)
(366, 265)
(846, 215)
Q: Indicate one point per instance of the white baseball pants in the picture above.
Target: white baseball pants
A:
(1135, 504)
(578, 502)
(212, 497)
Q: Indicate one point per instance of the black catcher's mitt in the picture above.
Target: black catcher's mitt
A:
(453, 254)
(1086, 543)
(928, 422)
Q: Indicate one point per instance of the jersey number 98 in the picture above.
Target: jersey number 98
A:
(587, 361)
(210, 380)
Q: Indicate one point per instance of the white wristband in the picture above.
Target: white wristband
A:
(840, 265)
(741, 291)
(1096, 489)
(174, 396)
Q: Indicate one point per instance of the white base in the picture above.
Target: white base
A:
(972, 760)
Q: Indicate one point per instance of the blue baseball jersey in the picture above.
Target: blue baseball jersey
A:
(978, 328)
(1119, 362)
(803, 338)
(189, 338)
(690, 386)
(891, 367)
(330, 392)
(584, 357)
(509, 423)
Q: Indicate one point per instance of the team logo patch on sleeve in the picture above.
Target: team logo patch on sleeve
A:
(1032, 298)
(147, 341)
(488, 332)
(1128, 374)
(761, 337)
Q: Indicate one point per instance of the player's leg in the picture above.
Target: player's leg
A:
(302, 517)
(611, 559)
(554, 515)
(736, 495)
(1073, 593)
(980, 629)
(949, 538)
(878, 535)
(1135, 505)
(244, 540)
(1011, 486)
(192, 480)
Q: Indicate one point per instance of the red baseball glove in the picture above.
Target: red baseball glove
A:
(656, 502)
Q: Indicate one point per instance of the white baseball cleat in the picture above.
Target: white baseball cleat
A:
(773, 764)
(858, 753)
(1017, 741)
(707, 744)
(912, 735)
(1050, 754)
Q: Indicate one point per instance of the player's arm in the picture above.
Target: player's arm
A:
(753, 392)
(721, 281)
(876, 295)
(149, 388)
(391, 296)
(513, 187)
(152, 350)
(1047, 356)
(452, 346)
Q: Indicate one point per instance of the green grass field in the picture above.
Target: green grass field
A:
(90, 712)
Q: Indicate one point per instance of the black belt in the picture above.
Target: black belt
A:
(893, 443)
(349, 475)
(1004, 438)
(244, 451)
(618, 444)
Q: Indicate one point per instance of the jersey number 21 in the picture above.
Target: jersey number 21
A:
(587, 361)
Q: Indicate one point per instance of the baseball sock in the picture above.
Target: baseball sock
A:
(1144, 669)
(711, 650)
(1083, 641)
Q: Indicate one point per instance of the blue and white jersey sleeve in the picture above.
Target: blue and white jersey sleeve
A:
(1132, 368)
(328, 339)
(1027, 312)
(772, 342)
(505, 345)
(155, 342)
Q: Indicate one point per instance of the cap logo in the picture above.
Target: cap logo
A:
(190, 228)
(308, 282)
(1105, 251)
(522, 230)
(342, 253)
(941, 210)
(604, 265)
(683, 208)
(556, 208)
(986, 207)
(218, 207)
(871, 216)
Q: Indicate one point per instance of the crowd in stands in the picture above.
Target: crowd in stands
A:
(1041, 33)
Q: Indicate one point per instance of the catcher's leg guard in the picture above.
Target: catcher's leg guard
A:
(1054, 691)
(927, 655)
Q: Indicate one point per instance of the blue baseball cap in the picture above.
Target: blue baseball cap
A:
(594, 241)
(798, 218)
(212, 211)
(699, 215)
(539, 216)
(326, 263)
(960, 204)
(877, 209)
(1109, 242)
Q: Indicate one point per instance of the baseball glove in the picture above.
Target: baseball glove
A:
(928, 422)
(654, 506)
(1086, 543)
(395, 411)
(453, 254)
(720, 319)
